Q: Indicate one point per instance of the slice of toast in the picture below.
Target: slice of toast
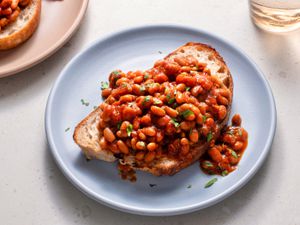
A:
(20, 30)
(86, 134)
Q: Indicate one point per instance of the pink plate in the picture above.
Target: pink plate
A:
(51, 35)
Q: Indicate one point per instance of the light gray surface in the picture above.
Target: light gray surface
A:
(33, 190)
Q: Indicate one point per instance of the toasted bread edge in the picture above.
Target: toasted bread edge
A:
(90, 145)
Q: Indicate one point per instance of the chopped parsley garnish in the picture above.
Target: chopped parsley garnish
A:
(104, 85)
(224, 173)
(95, 107)
(171, 101)
(233, 153)
(187, 113)
(119, 125)
(187, 88)
(211, 182)
(189, 186)
(208, 164)
(67, 129)
(83, 102)
(152, 185)
(146, 76)
(176, 124)
(129, 129)
(160, 52)
(204, 118)
(146, 99)
(116, 76)
(209, 137)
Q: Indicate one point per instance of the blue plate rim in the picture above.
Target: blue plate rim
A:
(168, 211)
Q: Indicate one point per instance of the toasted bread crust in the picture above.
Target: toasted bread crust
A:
(20, 36)
(87, 136)
(228, 82)
(167, 165)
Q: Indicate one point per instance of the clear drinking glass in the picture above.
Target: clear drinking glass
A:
(276, 15)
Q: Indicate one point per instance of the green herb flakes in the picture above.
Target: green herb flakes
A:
(209, 137)
(187, 113)
(204, 118)
(152, 185)
(189, 186)
(208, 164)
(67, 129)
(173, 121)
(146, 99)
(116, 72)
(146, 76)
(171, 101)
(129, 129)
(187, 88)
(224, 173)
(168, 96)
(83, 102)
(119, 125)
(233, 153)
(104, 85)
(211, 182)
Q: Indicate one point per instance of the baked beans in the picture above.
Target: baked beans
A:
(126, 172)
(166, 110)
(223, 157)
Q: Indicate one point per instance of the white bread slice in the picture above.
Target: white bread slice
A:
(87, 136)
(20, 30)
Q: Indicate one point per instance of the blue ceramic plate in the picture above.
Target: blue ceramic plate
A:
(139, 48)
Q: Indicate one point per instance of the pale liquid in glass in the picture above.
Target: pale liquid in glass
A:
(276, 15)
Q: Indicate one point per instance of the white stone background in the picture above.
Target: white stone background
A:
(34, 191)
